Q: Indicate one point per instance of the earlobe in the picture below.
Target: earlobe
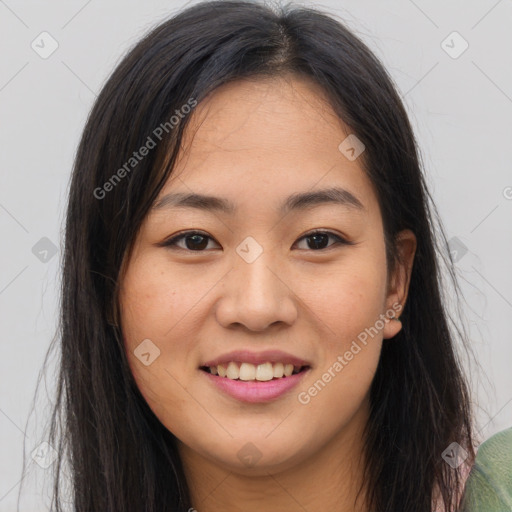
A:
(392, 328)
(406, 244)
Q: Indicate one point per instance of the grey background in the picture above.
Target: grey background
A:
(461, 109)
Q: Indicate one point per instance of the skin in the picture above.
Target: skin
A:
(255, 143)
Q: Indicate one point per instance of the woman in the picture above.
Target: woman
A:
(252, 308)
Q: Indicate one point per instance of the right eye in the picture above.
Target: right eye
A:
(195, 241)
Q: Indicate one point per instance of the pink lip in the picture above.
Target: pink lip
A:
(254, 391)
(267, 356)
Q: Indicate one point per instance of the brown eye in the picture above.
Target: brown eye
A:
(194, 241)
(319, 240)
(197, 241)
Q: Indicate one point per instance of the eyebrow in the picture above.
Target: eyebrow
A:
(295, 202)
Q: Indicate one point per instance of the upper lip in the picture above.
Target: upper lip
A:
(246, 356)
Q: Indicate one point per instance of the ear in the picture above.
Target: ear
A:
(399, 282)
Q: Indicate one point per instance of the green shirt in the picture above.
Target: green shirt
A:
(489, 484)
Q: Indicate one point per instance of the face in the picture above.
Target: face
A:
(211, 289)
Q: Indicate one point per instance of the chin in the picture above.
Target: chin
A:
(259, 457)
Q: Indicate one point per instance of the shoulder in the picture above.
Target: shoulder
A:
(489, 484)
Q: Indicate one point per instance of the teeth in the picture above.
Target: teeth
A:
(233, 372)
(264, 372)
(247, 371)
(278, 370)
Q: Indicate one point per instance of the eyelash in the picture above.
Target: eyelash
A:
(172, 242)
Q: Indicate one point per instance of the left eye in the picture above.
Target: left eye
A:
(198, 241)
(319, 239)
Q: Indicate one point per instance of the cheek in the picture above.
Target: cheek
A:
(160, 303)
(348, 299)
(159, 307)
(347, 309)
(351, 346)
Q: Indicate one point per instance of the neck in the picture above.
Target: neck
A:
(329, 480)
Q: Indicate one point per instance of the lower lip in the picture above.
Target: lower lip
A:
(256, 391)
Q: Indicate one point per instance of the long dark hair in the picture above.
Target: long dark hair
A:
(121, 458)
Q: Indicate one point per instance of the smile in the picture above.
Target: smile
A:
(250, 372)
(255, 390)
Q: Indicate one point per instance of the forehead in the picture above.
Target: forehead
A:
(263, 116)
(260, 140)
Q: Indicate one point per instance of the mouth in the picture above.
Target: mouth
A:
(248, 372)
(255, 377)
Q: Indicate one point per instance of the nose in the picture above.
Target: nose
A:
(256, 295)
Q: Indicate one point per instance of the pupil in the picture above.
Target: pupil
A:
(316, 242)
(196, 242)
